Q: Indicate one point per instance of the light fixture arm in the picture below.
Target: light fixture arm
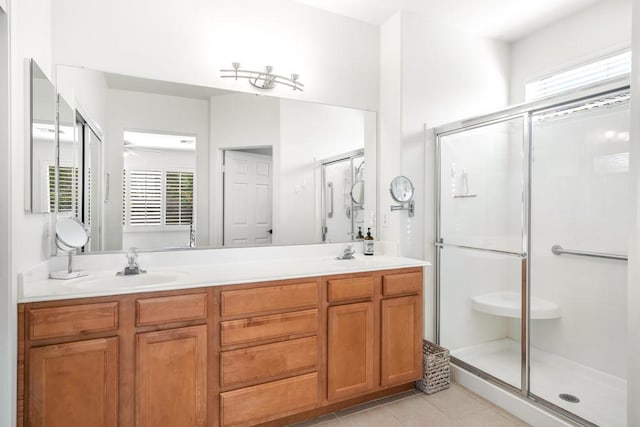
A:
(261, 79)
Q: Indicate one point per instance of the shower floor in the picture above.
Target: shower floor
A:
(603, 397)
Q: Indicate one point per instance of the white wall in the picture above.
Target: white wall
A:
(30, 36)
(85, 91)
(602, 28)
(437, 87)
(389, 124)
(336, 57)
(239, 121)
(633, 297)
(310, 133)
(7, 301)
(129, 110)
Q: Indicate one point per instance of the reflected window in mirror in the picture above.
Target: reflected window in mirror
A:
(158, 189)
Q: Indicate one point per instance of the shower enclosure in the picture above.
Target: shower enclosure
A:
(532, 216)
(343, 196)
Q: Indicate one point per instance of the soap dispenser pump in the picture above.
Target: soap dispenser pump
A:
(368, 243)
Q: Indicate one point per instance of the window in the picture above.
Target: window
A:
(157, 197)
(145, 197)
(68, 189)
(593, 72)
(179, 198)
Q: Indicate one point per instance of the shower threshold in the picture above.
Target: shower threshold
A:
(602, 397)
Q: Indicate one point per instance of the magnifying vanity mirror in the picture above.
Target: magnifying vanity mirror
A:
(163, 165)
(71, 236)
(402, 191)
(357, 193)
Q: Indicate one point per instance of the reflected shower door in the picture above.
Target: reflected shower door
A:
(481, 239)
(580, 201)
(341, 216)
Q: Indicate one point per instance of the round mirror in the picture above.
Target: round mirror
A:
(401, 189)
(71, 233)
(357, 193)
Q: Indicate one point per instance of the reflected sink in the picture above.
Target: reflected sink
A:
(132, 281)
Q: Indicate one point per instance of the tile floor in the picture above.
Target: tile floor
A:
(453, 407)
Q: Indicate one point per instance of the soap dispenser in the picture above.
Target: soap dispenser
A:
(368, 243)
(360, 236)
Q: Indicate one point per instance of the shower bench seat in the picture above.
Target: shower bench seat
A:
(509, 304)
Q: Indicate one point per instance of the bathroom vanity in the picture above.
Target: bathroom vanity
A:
(222, 353)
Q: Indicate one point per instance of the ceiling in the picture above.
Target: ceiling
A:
(506, 20)
(138, 84)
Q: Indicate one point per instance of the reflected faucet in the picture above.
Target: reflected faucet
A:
(132, 266)
(348, 253)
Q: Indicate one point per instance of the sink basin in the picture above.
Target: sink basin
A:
(133, 281)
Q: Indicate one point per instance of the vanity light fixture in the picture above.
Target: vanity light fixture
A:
(261, 79)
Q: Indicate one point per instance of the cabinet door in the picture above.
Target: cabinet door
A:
(401, 340)
(171, 377)
(74, 384)
(351, 350)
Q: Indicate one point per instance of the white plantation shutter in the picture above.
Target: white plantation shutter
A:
(178, 198)
(88, 196)
(597, 71)
(124, 197)
(68, 189)
(145, 197)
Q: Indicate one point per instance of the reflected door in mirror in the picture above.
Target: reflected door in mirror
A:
(247, 198)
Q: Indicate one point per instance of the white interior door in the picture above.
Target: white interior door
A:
(247, 198)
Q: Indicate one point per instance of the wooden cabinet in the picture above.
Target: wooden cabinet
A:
(237, 355)
(376, 343)
(350, 346)
(401, 343)
(171, 377)
(74, 384)
(269, 364)
(270, 401)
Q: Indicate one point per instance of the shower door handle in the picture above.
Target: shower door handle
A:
(330, 213)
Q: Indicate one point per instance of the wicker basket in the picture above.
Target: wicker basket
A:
(437, 374)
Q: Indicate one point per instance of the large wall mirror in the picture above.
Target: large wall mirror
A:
(41, 155)
(165, 165)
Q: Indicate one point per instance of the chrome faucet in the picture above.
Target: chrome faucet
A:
(348, 253)
(132, 266)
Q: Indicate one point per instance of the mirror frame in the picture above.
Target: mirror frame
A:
(395, 184)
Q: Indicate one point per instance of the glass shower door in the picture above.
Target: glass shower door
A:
(579, 203)
(481, 239)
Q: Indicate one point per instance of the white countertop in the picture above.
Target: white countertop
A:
(103, 283)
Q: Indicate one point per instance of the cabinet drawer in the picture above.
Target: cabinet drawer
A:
(72, 320)
(404, 283)
(260, 300)
(264, 328)
(176, 308)
(268, 361)
(270, 401)
(352, 288)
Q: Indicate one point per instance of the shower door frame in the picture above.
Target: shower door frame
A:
(348, 156)
(525, 111)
